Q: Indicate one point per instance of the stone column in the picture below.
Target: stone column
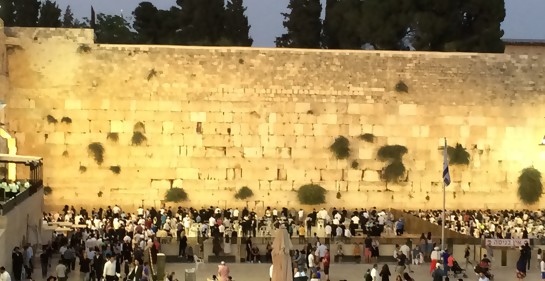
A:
(161, 262)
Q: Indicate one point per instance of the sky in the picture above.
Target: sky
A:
(524, 18)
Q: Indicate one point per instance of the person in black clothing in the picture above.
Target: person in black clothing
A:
(182, 246)
(526, 253)
(45, 257)
(85, 267)
(17, 264)
(248, 250)
(385, 273)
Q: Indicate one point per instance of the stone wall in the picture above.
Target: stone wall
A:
(217, 119)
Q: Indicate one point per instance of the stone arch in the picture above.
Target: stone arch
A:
(8, 145)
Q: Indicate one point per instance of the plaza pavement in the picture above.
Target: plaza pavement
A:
(345, 271)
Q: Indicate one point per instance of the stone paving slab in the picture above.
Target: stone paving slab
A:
(349, 272)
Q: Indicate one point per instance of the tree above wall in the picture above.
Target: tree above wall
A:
(530, 187)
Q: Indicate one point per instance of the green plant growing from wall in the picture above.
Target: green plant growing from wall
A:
(97, 151)
(82, 169)
(139, 127)
(367, 137)
(310, 112)
(47, 190)
(115, 169)
(393, 172)
(243, 193)
(339, 195)
(114, 137)
(401, 87)
(395, 169)
(100, 193)
(340, 147)
(51, 119)
(152, 73)
(138, 138)
(392, 152)
(530, 187)
(84, 48)
(311, 194)
(65, 153)
(66, 120)
(355, 164)
(176, 195)
(458, 155)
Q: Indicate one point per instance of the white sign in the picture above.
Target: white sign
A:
(506, 242)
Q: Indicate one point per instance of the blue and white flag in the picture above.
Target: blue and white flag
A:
(446, 173)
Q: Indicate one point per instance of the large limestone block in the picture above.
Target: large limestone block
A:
(302, 107)
(354, 175)
(187, 173)
(72, 104)
(253, 152)
(331, 175)
(55, 138)
(198, 117)
(295, 175)
(408, 109)
(371, 176)
(329, 119)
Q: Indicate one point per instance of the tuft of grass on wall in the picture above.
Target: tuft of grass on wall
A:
(401, 87)
(114, 137)
(138, 138)
(367, 137)
(66, 120)
(51, 119)
(115, 169)
(82, 169)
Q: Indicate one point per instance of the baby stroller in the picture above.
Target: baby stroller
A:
(457, 270)
(485, 271)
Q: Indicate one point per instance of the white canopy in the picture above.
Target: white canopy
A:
(6, 158)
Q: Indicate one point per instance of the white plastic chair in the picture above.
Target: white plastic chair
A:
(197, 261)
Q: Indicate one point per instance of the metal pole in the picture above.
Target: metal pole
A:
(443, 219)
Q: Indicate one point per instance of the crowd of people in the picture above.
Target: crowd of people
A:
(504, 224)
(10, 188)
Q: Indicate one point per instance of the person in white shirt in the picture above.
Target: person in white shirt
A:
(60, 270)
(4, 275)
(374, 273)
(109, 273)
(311, 262)
(542, 267)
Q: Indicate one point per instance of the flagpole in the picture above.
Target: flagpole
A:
(445, 176)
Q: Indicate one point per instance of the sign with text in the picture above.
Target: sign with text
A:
(506, 242)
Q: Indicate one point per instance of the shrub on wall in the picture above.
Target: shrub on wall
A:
(176, 195)
(392, 152)
(82, 169)
(530, 186)
(311, 194)
(138, 138)
(338, 195)
(84, 48)
(243, 193)
(66, 120)
(401, 87)
(115, 169)
(65, 153)
(139, 127)
(355, 164)
(340, 147)
(97, 150)
(367, 137)
(458, 155)
(47, 190)
(51, 119)
(113, 137)
(393, 172)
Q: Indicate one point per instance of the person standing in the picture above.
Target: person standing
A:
(4, 275)
(61, 271)
(521, 268)
(17, 261)
(109, 273)
(223, 272)
(183, 245)
(527, 251)
(44, 261)
(434, 256)
(467, 256)
(385, 273)
(326, 261)
(85, 267)
(542, 267)
(136, 273)
(373, 272)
